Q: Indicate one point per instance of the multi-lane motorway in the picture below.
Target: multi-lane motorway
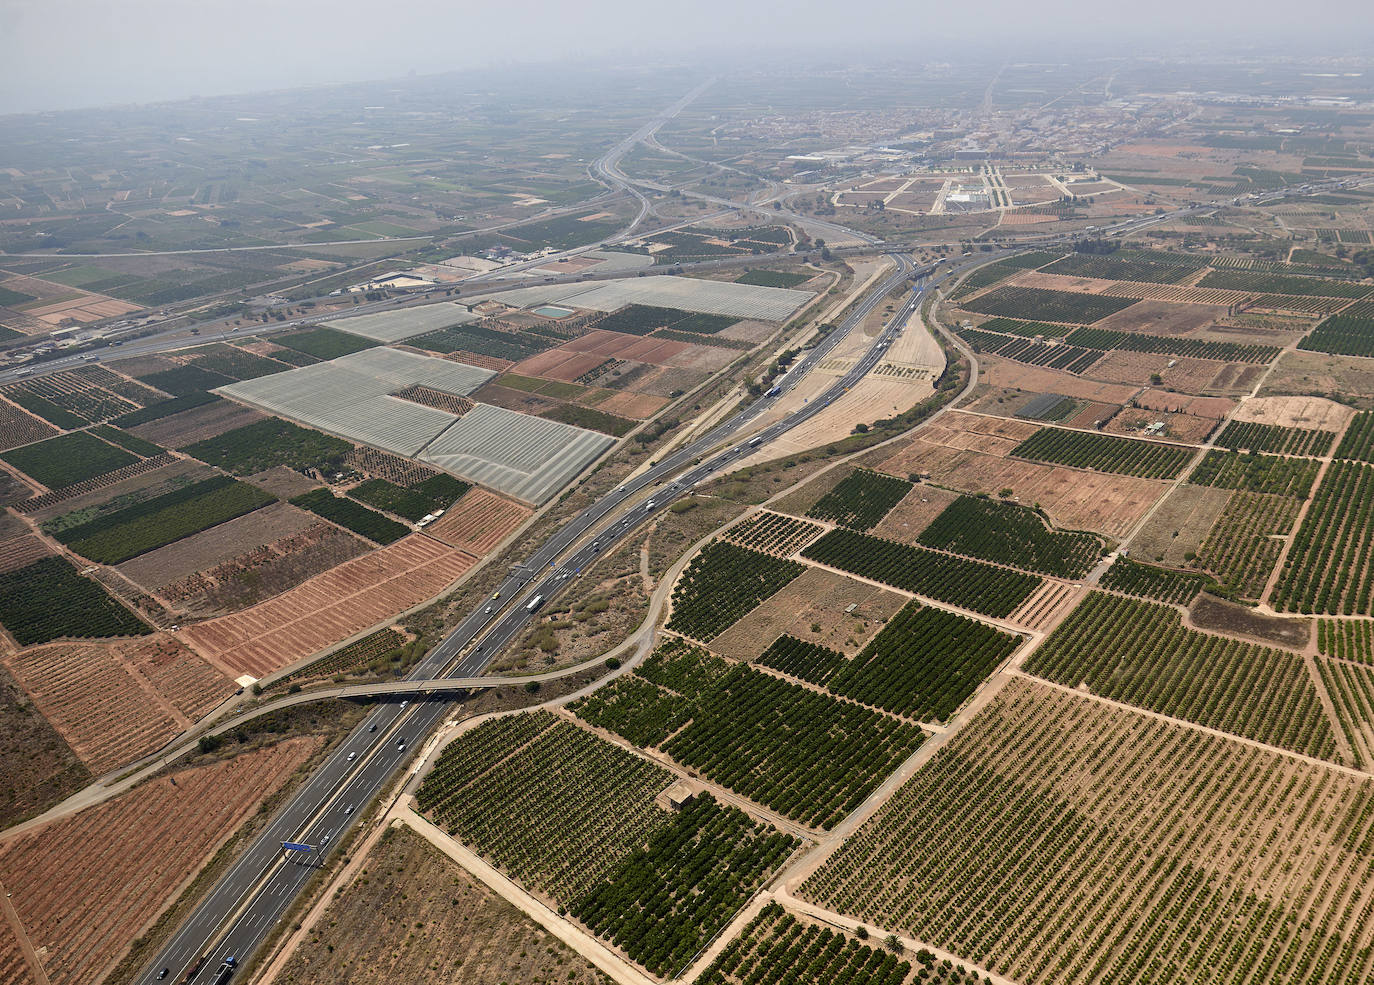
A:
(243, 907)
(254, 893)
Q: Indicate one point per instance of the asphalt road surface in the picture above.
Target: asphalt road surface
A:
(251, 897)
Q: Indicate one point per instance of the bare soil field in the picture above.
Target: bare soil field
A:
(1179, 427)
(1162, 318)
(37, 767)
(757, 331)
(703, 357)
(282, 482)
(114, 702)
(138, 487)
(1300, 373)
(976, 432)
(998, 372)
(1219, 616)
(11, 526)
(618, 345)
(87, 884)
(1215, 408)
(1108, 504)
(512, 399)
(197, 424)
(1093, 415)
(216, 545)
(560, 364)
(264, 571)
(22, 551)
(636, 406)
(873, 398)
(906, 520)
(329, 607)
(413, 915)
(1180, 525)
(479, 521)
(1124, 366)
(1313, 413)
(659, 381)
(1236, 378)
(798, 502)
(813, 608)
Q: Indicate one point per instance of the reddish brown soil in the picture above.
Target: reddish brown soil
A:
(1213, 407)
(560, 364)
(618, 345)
(115, 702)
(1180, 427)
(86, 885)
(330, 607)
(999, 372)
(479, 521)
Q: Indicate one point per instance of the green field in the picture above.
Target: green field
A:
(67, 459)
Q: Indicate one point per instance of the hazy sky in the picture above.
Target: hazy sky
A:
(70, 53)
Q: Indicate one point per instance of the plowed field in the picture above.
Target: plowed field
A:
(478, 522)
(329, 607)
(114, 702)
(21, 551)
(86, 885)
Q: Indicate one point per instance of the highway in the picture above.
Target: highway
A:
(249, 899)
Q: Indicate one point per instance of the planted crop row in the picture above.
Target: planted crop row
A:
(805, 661)
(48, 600)
(1348, 639)
(722, 584)
(1328, 567)
(72, 394)
(1055, 839)
(68, 459)
(1107, 340)
(45, 409)
(773, 533)
(1007, 533)
(1029, 329)
(268, 443)
(777, 949)
(808, 756)
(668, 898)
(861, 499)
(185, 380)
(567, 813)
(957, 581)
(1251, 436)
(362, 654)
(127, 441)
(924, 664)
(1149, 582)
(1138, 266)
(1358, 443)
(1035, 304)
(1058, 356)
(122, 534)
(1252, 472)
(1351, 688)
(1241, 280)
(409, 503)
(351, 516)
(165, 408)
(1140, 653)
(1243, 546)
(324, 343)
(485, 341)
(1105, 453)
(555, 806)
(1342, 335)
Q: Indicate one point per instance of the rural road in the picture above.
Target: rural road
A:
(250, 898)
